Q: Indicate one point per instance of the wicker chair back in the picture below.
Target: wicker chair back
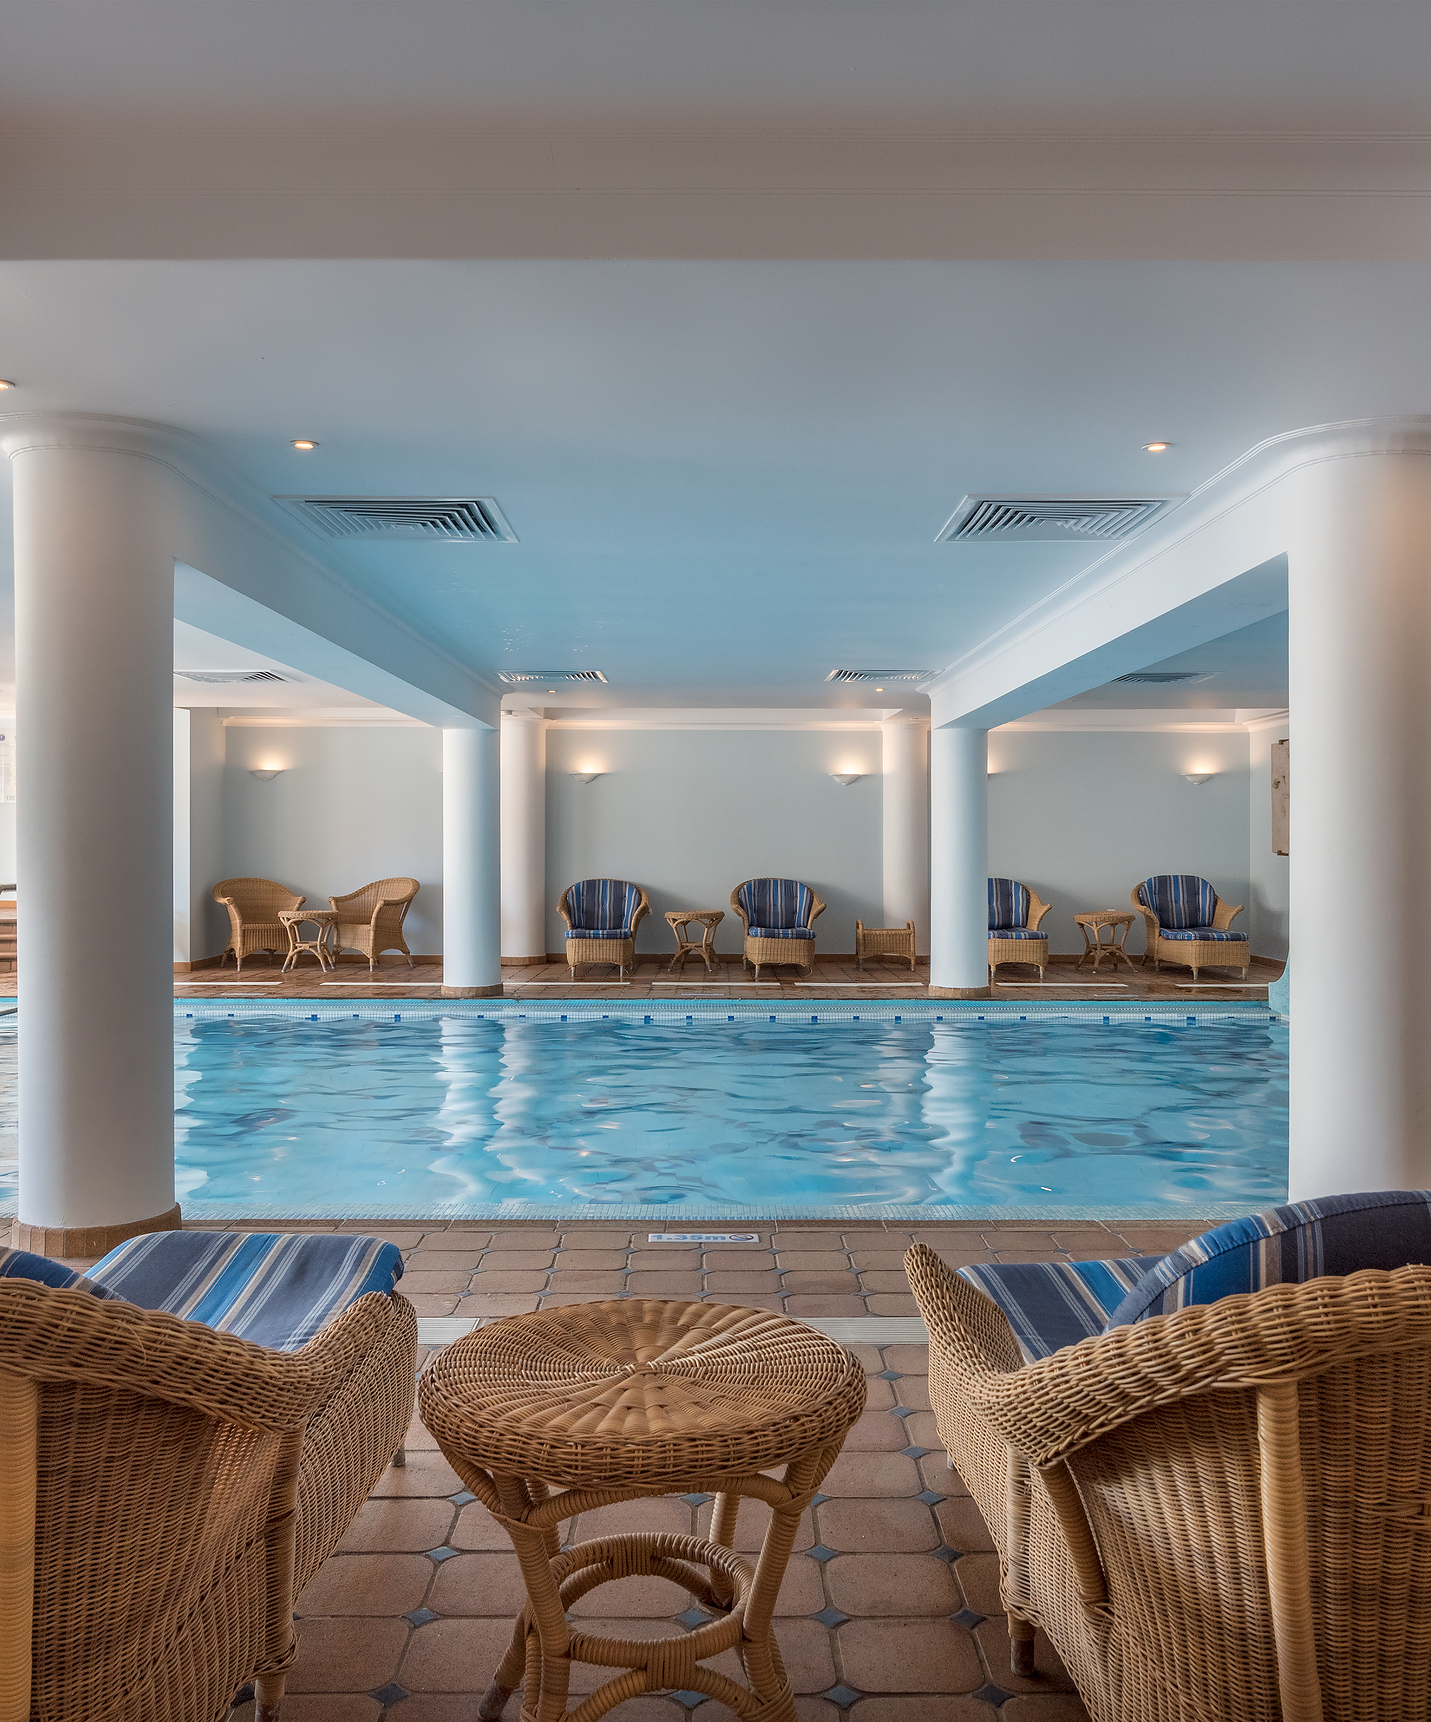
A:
(362, 904)
(256, 899)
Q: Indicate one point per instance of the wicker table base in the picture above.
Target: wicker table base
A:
(321, 946)
(550, 1415)
(680, 922)
(1091, 924)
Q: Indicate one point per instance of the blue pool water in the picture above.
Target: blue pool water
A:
(447, 1113)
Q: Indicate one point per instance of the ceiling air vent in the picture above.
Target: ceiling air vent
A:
(523, 677)
(1008, 519)
(880, 676)
(431, 519)
(1162, 678)
(220, 676)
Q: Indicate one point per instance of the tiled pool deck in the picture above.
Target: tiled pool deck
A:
(890, 1611)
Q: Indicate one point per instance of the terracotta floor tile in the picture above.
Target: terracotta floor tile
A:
(500, 1280)
(812, 1261)
(748, 1259)
(801, 1590)
(1079, 1238)
(1017, 1238)
(659, 1285)
(667, 1258)
(562, 1300)
(459, 1237)
(647, 1598)
(907, 1359)
(584, 1261)
(517, 1260)
(519, 1239)
(376, 1229)
(327, 1707)
(594, 1238)
(826, 1282)
(426, 1473)
(879, 1395)
(1157, 1238)
(887, 1303)
(655, 1513)
(605, 1284)
(481, 1584)
(878, 1261)
(424, 1304)
(347, 1655)
(750, 1527)
(921, 1430)
(908, 1656)
(477, 1529)
(888, 1585)
(367, 1584)
(964, 1258)
(419, 1437)
(882, 1527)
(872, 1474)
(746, 1300)
(397, 1526)
(447, 1280)
(454, 1655)
(488, 1306)
(805, 1650)
(808, 1709)
(443, 1262)
(806, 1237)
(824, 1306)
(871, 1240)
(748, 1282)
(913, 1391)
(445, 1707)
(993, 1640)
(963, 1525)
(877, 1431)
(927, 1707)
(936, 1473)
(1042, 1707)
(978, 1577)
(1049, 1255)
(884, 1280)
(870, 1358)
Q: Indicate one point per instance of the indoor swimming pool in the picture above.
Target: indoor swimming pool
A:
(435, 1111)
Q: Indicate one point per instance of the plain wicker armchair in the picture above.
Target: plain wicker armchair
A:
(1216, 1510)
(1014, 915)
(370, 919)
(167, 1489)
(778, 917)
(601, 917)
(1188, 923)
(253, 906)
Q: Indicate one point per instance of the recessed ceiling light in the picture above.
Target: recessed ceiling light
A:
(304, 442)
(879, 690)
(5, 383)
(1156, 447)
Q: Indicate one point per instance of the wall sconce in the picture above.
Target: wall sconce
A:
(268, 774)
(1199, 776)
(846, 778)
(583, 776)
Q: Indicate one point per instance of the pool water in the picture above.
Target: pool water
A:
(457, 1114)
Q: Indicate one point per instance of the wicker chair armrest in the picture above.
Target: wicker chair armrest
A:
(1225, 914)
(818, 908)
(1053, 1408)
(643, 908)
(739, 908)
(1037, 910)
(1150, 919)
(969, 1330)
(562, 909)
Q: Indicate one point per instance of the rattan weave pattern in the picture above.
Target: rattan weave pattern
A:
(1194, 954)
(1220, 1515)
(253, 906)
(640, 1392)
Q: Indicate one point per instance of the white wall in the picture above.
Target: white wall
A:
(1081, 818)
(1270, 874)
(690, 814)
(352, 805)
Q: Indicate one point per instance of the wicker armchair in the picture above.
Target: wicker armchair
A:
(253, 906)
(1189, 923)
(168, 1490)
(1214, 1513)
(370, 920)
(777, 915)
(601, 917)
(1014, 915)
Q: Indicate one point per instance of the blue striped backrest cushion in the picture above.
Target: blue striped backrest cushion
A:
(602, 903)
(776, 902)
(1302, 1241)
(1008, 903)
(1180, 899)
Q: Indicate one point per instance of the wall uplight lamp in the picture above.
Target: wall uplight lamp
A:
(1199, 776)
(584, 776)
(846, 778)
(268, 774)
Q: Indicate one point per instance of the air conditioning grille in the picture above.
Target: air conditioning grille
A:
(1164, 678)
(520, 678)
(428, 519)
(218, 677)
(993, 519)
(880, 676)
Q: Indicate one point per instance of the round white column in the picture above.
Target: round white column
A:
(906, 825)
(959, 863)
(524, 837)
(471, 864)
(94, 605)
(1359, 571)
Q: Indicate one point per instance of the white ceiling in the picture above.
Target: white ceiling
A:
(1246, 669)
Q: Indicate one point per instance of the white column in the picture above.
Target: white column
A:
(471, 864)
(906, 824)
(1359, 571)
(94, 597)
(524, 837)
(959, 863)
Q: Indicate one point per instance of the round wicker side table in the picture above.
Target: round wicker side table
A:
(549, 1415)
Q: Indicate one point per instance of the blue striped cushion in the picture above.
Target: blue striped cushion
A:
(1179, 899)
(1216, 935)
(1016, 933)
(1008, 903)
(780, 933)
(1053, 1304)
(781, 904)
(598, 932)
(23, 1265)
(1331, 1235)
(276, 1290)
(602, 903)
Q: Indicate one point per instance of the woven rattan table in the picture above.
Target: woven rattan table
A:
(1089, 924)
(549, 1415)
(680, 922)
(325, 920)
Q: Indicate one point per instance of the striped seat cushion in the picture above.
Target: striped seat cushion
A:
(599, 933)
(608, 905)
(276, 1290)
(1331, 1235)
(780, 933)
(1212, 935)
(1008, 903)
(776, 906)
(1016, 933)
(24, 1265)
(1179, 899)
(1053, 1304)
